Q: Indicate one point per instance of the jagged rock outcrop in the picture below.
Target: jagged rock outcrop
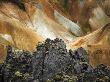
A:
(51, 62)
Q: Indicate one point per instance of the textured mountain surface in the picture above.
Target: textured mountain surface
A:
(51, 62)
(79, 23)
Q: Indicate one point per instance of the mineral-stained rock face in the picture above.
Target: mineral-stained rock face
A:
(51, 62)
(19, 3)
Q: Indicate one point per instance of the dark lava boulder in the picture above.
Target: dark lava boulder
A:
(79, 55)
(99, 74)
(1, 75)
(18, 66)
(51, 62)
(51, 58)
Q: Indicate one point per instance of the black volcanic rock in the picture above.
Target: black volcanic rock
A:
(1, 74)
(51, 62)
(51, 58)
(18, 66)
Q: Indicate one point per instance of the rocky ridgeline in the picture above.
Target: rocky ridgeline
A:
(51, 62)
